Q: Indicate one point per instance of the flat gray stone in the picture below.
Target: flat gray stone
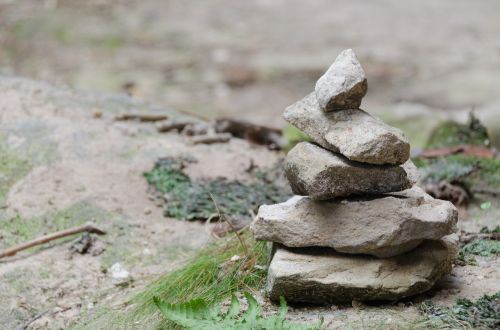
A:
(354, 133)
(321, 174)
(343, 85)
(383, 227)
(323, 276)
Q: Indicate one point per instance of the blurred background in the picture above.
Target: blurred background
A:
(426, 61)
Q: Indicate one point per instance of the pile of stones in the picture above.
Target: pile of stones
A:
(358, 227)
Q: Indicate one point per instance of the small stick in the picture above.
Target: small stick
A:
(145, 117)
(170, 125)
(211, 138)
(88, 227)
(469, 237)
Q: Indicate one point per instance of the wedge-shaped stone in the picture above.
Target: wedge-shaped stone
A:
(322, 174)
(354, 133)
(321, 275)
(383, 227)
(343, 85)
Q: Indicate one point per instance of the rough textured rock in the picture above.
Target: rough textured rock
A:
(383, 227)
(321, 275)
(343, 85)
(354, 133)
(321, 174)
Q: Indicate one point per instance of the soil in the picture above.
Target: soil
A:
(63, 165)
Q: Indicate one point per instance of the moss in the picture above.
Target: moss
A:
(12, 168)
(469, 170)
(482, 313)
(451, 133)
(34, 148)
(111, 42)
(482, 247)
(186, 199)
(293, 136)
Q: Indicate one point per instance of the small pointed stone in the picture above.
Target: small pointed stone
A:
(354, 133)
(384, 227)
(321, 174)
(343, 85)
(323, 276)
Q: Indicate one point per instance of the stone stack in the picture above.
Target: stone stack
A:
(358, 229)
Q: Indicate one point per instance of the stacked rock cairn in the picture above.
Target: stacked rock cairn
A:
(358, 228)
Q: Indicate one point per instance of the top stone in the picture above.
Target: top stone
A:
(343, 85)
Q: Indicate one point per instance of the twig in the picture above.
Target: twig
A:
(469, 237)
(211, 138)
(146, 117)
(170, 125)
(88, 227)
(486, 191)
(466, 149)
(223, 217)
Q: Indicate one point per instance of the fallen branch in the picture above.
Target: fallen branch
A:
(486, 191)
(170, 125)
(211, 138)
(258, 134)
(469, 237)
(88, 227)
(145, 117)
(464, 149)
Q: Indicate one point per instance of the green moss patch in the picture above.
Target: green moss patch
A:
(482, 247)
(12, 168)
(482, 313)
(468, 170)
(293, 135)
(188, 199)
(451, 133)
(33, 147)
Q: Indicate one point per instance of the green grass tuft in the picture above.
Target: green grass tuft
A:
(210, 275)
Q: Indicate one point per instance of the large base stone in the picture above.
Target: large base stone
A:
(354, 133)
(321, 276)
(384, 227)
(322, 174)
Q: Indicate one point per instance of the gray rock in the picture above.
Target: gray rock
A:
(321, 275)
(322, 174)
(354, 133)
(343, 85)
(383, 227)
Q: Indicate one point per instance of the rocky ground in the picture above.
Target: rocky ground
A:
(65, 160)
(66, 165)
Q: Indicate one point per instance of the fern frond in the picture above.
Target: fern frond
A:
(197, 314)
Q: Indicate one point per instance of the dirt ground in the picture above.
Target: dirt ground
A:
(426, 61)
(90, 168)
